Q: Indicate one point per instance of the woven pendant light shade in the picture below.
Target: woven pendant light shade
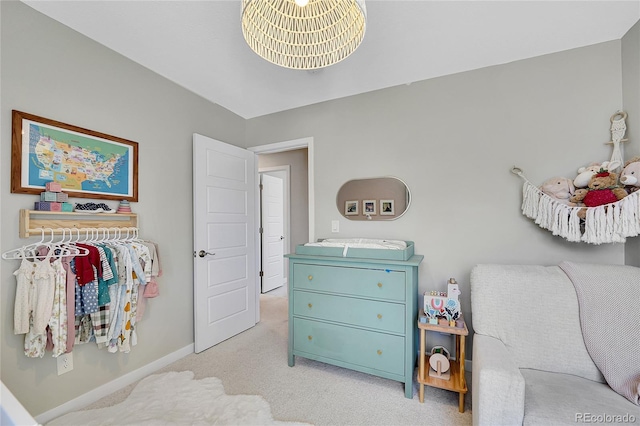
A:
(317, 35)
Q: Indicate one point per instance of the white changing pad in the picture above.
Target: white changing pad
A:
(360, 243)
(363, 248)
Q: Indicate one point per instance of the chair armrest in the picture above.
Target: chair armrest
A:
(497, 384)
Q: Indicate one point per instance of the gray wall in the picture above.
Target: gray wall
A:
(453, 140)
(631, 100)
(54, 72)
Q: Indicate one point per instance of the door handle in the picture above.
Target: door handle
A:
(203, 253)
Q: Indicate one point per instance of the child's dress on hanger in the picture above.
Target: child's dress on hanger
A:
(34, 302)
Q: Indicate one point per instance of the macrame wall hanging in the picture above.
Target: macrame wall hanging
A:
(618, 129)
(607, 223)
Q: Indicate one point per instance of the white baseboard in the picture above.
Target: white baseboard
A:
(114, 385)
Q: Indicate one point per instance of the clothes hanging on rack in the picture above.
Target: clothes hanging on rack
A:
(70, 296)
(112, 322)
(151, 287)
(58, 324)
(34, 302)
(65, 298)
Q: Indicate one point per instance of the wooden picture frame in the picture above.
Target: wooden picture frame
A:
(369, 207)
(87, 164)
(351, 208)
(387, 208)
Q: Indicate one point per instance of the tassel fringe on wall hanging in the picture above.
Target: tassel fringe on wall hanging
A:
(609, 223)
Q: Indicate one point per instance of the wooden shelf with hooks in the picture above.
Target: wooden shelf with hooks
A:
(34, 221)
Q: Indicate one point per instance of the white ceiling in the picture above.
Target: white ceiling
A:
(199, 44)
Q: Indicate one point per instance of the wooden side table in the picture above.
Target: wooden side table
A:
(457, 381)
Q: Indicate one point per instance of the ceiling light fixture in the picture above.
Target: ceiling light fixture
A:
(303, 34)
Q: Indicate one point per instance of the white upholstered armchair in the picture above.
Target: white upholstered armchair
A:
(530, 363)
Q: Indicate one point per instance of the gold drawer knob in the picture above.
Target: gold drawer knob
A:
(380, 285)
(379, 352)
(310, 277)
(379, 316)
(309, 337)
(310, 305)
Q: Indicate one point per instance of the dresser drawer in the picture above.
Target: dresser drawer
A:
(378, 351)
(384, 316)
(377, 283)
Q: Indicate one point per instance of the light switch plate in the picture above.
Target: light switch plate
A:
(335, 226)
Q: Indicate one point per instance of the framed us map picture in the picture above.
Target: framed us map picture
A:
(85, 163)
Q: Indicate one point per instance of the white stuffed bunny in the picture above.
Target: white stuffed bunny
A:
(560, 189)
(585, 173)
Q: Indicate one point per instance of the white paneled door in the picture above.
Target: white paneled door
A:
(224, 235)
(272, 232)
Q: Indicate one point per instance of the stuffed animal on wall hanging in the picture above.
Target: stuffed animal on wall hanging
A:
(602, 189)
(630, 175)
(586, 173)
(560, 189)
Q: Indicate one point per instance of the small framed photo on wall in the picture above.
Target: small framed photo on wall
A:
(387, 208)
(369, 207)
(350, 208)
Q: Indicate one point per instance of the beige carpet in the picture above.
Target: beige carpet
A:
(255, 363)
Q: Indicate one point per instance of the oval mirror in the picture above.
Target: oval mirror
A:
(381, 198)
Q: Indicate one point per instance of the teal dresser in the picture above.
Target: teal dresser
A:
(356, 313)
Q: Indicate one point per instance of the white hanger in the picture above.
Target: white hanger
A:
(64, 250)
(68, 245)
(29, 250)
(19, 253)
(67, 248)
(135, 237)
(34, 246)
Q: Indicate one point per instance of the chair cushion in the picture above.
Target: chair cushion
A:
(533, 310)
(557, 399)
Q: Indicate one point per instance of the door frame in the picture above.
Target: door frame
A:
(290, 145)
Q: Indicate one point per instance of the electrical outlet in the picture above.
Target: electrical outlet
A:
(65, 363)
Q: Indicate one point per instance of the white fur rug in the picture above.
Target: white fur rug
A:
(175, 398)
